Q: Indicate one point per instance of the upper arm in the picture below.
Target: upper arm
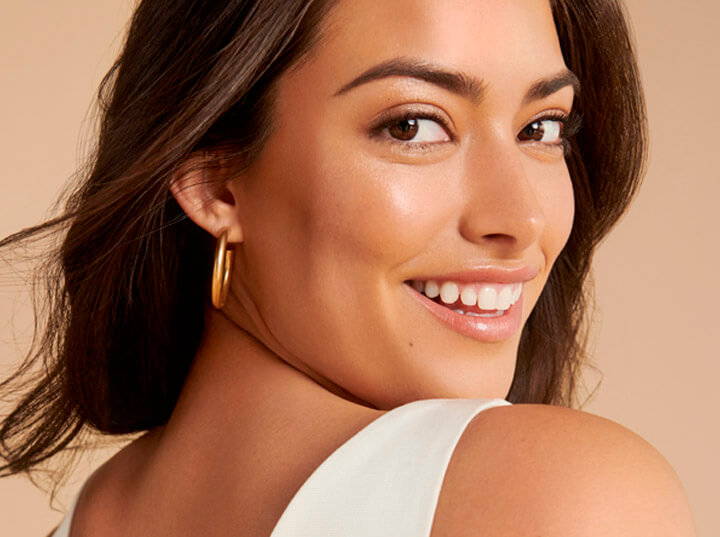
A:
(537, 470)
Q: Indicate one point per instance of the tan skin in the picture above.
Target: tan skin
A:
(318, 337)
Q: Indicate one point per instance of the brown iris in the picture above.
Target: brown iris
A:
(405, 129)
(534, 131)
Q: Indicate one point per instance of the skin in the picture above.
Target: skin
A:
(330, 221)
(318, 336)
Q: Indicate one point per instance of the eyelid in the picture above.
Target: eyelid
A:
(397, 114)
(571, 124)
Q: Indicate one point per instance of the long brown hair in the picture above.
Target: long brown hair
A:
(122, 315)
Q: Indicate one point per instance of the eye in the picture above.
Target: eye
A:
(417, 130)
(413, 129)
(547, 130)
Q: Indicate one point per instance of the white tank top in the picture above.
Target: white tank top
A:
(385, 480)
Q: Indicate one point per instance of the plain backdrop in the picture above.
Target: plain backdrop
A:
(655, 332)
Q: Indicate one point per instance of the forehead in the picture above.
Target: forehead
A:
(496, 40)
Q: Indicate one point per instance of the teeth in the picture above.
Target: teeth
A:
(449, 292)
(432, 289)
(487, 296)
(504, 298)
(468, 296)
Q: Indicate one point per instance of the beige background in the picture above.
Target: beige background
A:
(657, 290)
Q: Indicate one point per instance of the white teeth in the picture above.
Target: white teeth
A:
(449, 292)
(468, 296)
(487, 298)
(504, 298)
(432, 289)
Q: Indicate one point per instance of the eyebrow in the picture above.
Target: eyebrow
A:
(457, 82)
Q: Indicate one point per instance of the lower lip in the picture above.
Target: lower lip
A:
(486, 329)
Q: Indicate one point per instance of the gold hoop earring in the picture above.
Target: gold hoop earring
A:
(221, 270)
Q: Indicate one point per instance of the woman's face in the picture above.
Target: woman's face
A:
(411, 176)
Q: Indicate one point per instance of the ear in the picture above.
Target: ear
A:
(202, 193)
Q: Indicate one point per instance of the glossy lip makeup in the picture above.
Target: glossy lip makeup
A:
(486, 329)
(490, 328)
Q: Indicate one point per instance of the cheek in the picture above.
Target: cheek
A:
(385, 214)
(558, 201)
(329, 228)
(321, 214)
(371, 211)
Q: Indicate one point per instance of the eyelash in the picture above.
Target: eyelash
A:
(570, 125)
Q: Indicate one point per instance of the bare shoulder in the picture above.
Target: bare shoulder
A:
(545, 470)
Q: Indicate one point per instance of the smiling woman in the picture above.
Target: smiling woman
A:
(331, 259)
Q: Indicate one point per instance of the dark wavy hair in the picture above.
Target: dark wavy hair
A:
(126, 284)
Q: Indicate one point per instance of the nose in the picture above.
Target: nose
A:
(502, 211)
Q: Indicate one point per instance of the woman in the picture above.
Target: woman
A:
(321, 249)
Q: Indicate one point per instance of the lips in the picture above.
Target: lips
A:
(485, 329)
(486, 273)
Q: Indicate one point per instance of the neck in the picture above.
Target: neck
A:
(240, 393)
(247, 430)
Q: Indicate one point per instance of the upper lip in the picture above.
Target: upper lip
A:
(493, 274)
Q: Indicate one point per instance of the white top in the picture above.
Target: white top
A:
(384, 481)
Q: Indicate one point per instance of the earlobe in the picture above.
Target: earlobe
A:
(203, 195)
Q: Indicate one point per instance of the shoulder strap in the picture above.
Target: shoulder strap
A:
(385, 481)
